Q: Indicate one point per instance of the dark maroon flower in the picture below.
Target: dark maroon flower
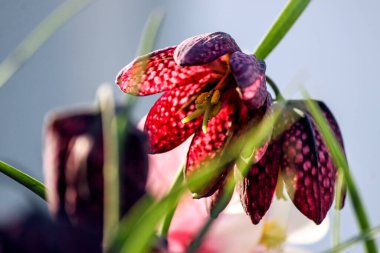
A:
(211, 90)
(303, 161)
(36, 232)
(73, 161)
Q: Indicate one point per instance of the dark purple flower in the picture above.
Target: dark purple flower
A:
(211, 89)
(301, 158)
(73, 161)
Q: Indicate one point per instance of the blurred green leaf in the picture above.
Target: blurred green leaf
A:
(370, 234)
(111, 164)
(56, 19)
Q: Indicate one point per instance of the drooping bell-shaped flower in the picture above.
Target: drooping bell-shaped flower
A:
(212, 90)
(73, 161)
(302, 161)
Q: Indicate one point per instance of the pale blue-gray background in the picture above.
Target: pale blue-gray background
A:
(333, 50)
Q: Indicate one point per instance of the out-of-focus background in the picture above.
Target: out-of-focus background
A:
(333, 50)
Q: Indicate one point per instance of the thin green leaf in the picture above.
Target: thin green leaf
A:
(150, 32)
(342, 165)
(146, 45)
(178, 181)
(370, 234)
(281, 26)
(56, 19)
(111, 165)
(29, 182)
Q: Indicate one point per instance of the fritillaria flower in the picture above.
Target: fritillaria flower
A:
(212, 90)
(299, 158)
(73, 161)
(215, 91)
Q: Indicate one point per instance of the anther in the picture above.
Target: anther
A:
(215, 97)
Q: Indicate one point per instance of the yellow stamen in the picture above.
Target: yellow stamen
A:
(193, 116)
(274, 234)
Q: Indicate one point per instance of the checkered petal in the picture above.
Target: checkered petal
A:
(308, 169)
(249, 74)
(157, 72)
(333, 124)
(204, 48)
(207, 146)
(258, 187)
(163, 124)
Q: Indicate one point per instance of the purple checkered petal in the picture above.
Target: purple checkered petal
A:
(204, 48)
(249, 74)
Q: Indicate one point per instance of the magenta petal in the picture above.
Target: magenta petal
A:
(207, 146)
(163, 123)
(249, 74)
(157, 72)
(258, 187)
(204, 48)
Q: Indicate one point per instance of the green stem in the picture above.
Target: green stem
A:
(338, 206)
(178, 180)
(341, 162)
(281, 26)
(277, 92)
(29, 182)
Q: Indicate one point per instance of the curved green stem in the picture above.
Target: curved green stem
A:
(29, 182)
(281, 26)
(276, 90)
(178, 180)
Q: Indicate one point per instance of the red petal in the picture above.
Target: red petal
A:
(163, 123)
(257, 189)
(308, 169)
(162, 73)
(206, 146)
